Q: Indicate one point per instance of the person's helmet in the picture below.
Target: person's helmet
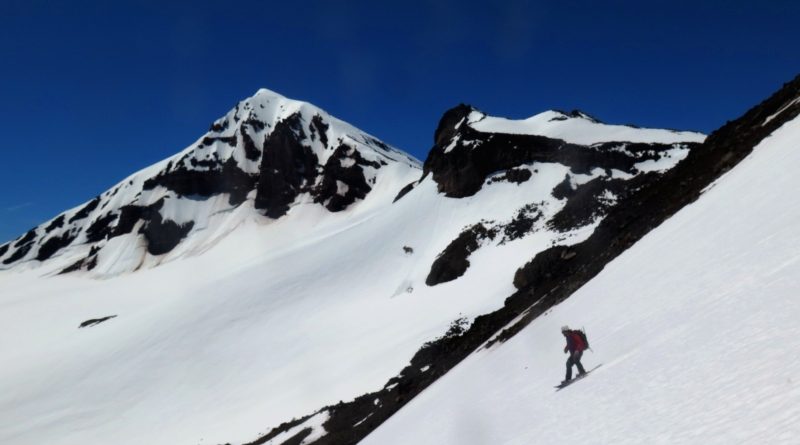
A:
(564, 328)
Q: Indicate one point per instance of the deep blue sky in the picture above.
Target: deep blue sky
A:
(91, 92)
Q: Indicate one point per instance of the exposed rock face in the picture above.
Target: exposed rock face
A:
(464, 161)
(214, 179)
(163, 235)
(287, 168)
(453, 262)
(463, 157)
(84, 212)
(343, 181)
(53, 245)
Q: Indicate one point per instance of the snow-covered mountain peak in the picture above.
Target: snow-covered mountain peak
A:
(265, 93)
(264, 157)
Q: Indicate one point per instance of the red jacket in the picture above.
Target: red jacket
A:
(574, 342)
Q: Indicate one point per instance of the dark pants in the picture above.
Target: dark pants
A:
(575, 359)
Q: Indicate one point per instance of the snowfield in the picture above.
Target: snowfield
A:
(578, 128)
(273, 322)
(248, 321)
(695, 327)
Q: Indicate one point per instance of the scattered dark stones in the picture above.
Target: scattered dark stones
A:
(95, 321)
(55, 224)
(522, 223)
(53, 245)
(453, 262)
(86, 210)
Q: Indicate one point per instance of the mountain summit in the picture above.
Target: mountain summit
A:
(264, 157)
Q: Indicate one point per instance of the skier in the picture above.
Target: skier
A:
(575, 346)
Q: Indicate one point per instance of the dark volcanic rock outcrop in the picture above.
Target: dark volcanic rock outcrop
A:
(216, 178)
(343, 180)
(462, 157)
(453, 262)
(287, 167)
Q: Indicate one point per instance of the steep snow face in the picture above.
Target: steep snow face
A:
(577, 128)
(262, 159)
(694, 327)
(268, 319)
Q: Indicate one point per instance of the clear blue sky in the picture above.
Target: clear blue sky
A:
(93, 91)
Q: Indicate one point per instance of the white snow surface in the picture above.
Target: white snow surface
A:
(250, 321)
(580, 129)
(273, 321)
(695, 328)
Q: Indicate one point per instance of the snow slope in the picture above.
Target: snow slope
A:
(694, 326)
(251, 320)
(272, 322)
(578, 128)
